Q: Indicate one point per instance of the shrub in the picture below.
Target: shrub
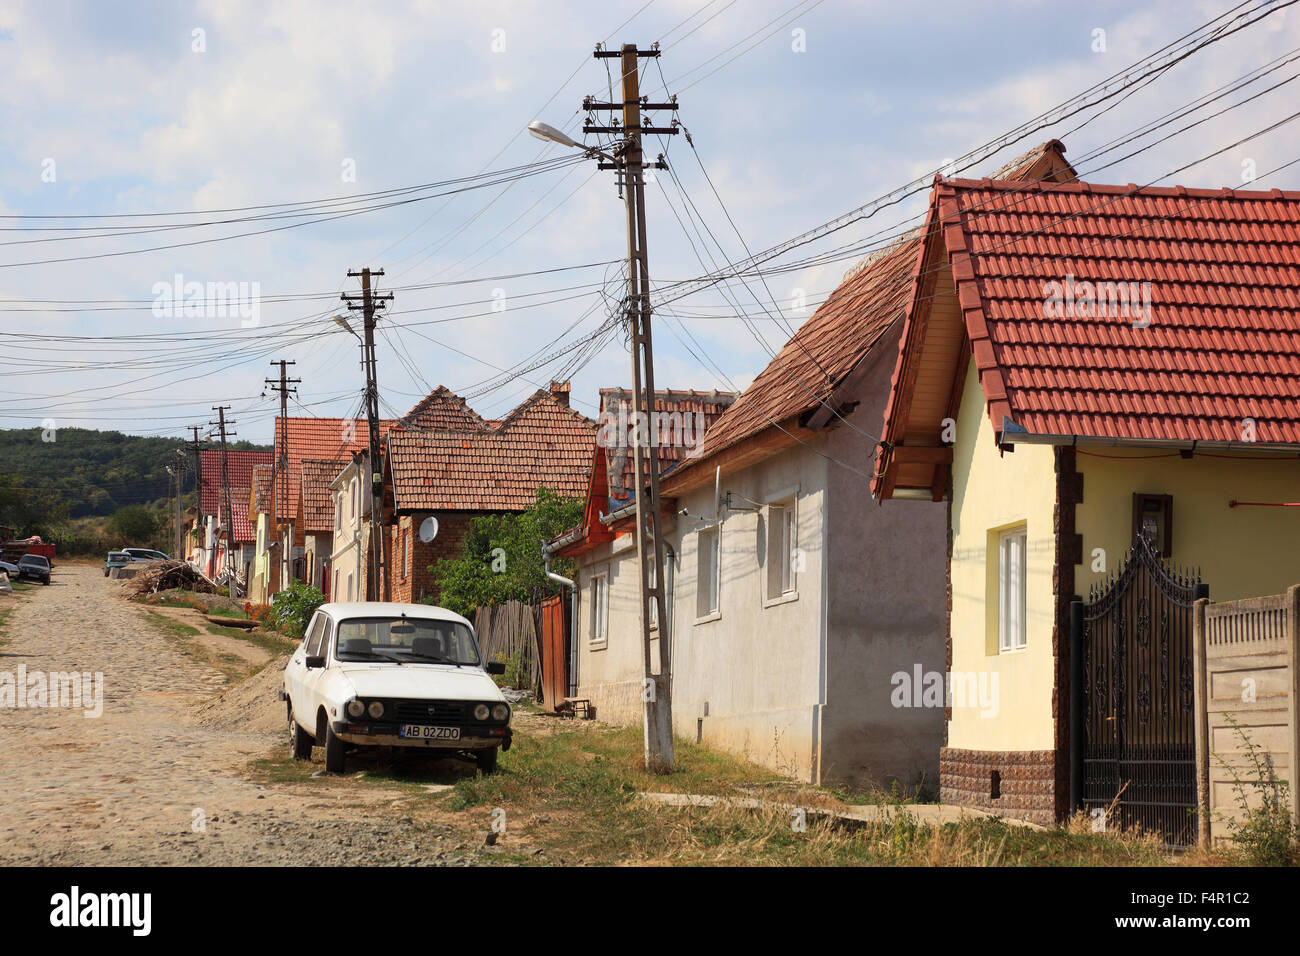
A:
(294, 607)
(1265, 834)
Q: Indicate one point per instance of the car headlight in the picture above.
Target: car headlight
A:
(376, 709)
(501, 712)
(356, 708)
(481, 711)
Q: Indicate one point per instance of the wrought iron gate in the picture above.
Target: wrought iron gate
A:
(1133, 738)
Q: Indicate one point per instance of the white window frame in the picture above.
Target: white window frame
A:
(709, 536)
(1013, 566)
(598, 628)
(783, 528)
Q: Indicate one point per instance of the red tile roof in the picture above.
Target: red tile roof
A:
(820, 356)
(239, 467)
(321, 439)
(684, 418)
(317, 499)
(1223, 343)
(542, 442)
(263, 487)
(443, 410)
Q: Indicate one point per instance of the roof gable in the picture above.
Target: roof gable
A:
(1110, 313)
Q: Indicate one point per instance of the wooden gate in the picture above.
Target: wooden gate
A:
(1134, 741)
(555, 651)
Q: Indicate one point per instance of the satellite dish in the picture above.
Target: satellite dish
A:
(428, 529)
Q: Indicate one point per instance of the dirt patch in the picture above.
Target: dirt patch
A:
(252, 705)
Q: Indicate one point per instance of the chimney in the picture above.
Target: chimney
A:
(560, 391)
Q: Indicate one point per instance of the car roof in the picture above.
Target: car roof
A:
(428, 612)
(40, 557)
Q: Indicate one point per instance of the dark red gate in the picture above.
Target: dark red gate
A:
(555, 651)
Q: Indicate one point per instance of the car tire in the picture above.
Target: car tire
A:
(300, 742)
(486, 760)
(335, 761)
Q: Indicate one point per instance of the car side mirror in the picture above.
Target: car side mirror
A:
(496, 667)
(315, 662)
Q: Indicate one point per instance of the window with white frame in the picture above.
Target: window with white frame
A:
(782, 568)
(599, 608)
(708, 568)
(1012, 566)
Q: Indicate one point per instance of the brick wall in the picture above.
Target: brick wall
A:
(1025, 781)
(418, 581)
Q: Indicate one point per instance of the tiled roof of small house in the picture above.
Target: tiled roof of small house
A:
(317, 504)
(683, 418)
(239, 468)
(1218, 344)
(542, 442)
(443, 410)
(322, 439)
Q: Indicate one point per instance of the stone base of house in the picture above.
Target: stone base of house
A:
(616, 702)
(1015, 783)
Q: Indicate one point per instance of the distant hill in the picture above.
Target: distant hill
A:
(95, 472)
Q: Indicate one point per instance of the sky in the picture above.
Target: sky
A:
(157, 113)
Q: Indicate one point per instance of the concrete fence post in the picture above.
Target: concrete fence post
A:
(1201, 704)
(1293, 693)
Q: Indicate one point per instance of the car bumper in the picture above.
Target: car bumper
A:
(385, 735)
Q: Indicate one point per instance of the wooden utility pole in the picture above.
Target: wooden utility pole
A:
(198, 478)
(221, 423)
(280, 468)
(378, 586)
(180, 479)
(657, 692)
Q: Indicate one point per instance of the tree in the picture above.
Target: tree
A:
(135, 523)
(501, 558)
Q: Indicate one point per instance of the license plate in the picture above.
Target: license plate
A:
(424, 732)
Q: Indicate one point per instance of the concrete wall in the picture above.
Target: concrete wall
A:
(1246, 673)
(886, 573)
(993, 491)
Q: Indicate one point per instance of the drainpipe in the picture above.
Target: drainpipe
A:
(573, 620)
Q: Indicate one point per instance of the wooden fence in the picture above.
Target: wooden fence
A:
(1245, 674)
(510, 629)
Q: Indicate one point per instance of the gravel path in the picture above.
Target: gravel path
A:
(128, 787)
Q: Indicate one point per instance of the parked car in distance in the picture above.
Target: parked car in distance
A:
(34, 566)
(145, 554)
(116, 559)
(378, 674)
(9, 569)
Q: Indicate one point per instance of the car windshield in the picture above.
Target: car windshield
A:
(35, 559)
(419, 640)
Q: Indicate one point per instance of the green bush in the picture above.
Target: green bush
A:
(294, 607)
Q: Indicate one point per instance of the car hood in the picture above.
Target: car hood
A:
(431, 681)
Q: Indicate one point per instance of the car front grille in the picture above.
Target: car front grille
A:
(429, 711)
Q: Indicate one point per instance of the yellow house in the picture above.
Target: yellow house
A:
(1103, 385)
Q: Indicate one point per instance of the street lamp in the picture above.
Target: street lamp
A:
(548, 133)
(342, 323)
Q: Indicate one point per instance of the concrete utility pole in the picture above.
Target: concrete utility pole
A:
(221, 423)
(280, 468)
(378, 587)
(657, 694)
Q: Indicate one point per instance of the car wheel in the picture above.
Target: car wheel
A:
(46, 582)
(486, 760)
(334, 759)
(300, 742)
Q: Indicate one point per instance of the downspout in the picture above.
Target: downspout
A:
(573, 620)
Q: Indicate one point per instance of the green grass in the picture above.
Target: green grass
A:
(572, 792)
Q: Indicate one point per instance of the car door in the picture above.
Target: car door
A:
(312, 679)
(295, 676)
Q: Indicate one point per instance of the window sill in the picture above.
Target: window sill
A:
(597, 645)
(708, 618)
(1011, 651)
(785, 598)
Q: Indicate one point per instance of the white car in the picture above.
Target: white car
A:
(375, 674)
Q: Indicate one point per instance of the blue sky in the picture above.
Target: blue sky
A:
(283, 97)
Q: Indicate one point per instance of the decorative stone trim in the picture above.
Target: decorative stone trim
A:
(1026, 781)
